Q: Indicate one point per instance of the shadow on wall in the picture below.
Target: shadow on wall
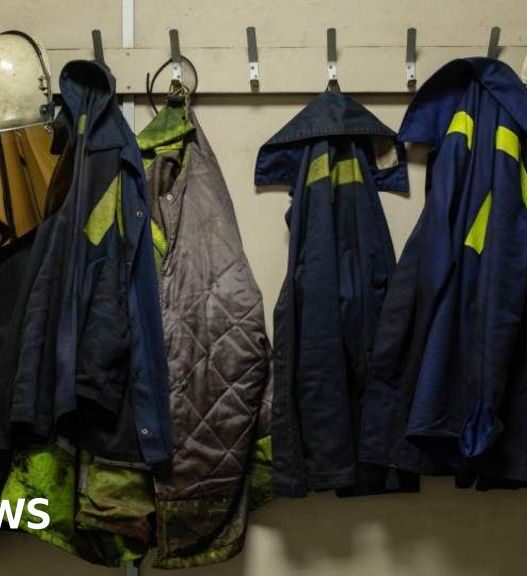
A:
(443, 531)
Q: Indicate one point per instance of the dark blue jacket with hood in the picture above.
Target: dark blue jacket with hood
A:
(444, 352)
(334, 155)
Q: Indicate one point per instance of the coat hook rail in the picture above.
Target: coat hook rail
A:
(366, 69)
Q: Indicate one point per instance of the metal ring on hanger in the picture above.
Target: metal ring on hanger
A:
(181, 90)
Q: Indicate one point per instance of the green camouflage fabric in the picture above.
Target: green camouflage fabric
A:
(115, 499)
(50, 473)
(261, 491)
(229, 540)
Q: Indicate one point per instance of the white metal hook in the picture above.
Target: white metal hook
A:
(175, 52)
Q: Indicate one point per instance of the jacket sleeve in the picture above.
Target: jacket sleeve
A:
(500, 303)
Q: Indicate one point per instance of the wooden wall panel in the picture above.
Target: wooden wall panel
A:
(301, 23)
(63, 23)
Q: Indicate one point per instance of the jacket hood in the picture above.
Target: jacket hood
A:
(430, 112)
(327, 116)
(330, 114)
(88, 90)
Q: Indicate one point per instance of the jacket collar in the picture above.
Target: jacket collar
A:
(431, 111)
(166, 131)
(327, 116)
(88, 90)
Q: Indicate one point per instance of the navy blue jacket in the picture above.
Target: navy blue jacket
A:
(340, 262)
(444, 351)
(90, 358)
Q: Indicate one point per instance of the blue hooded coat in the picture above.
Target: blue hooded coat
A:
(444, 350)
(85, 357)
(340, 262)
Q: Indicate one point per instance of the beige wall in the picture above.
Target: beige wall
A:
(440, 532)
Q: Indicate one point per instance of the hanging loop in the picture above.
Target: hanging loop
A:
(411, 57)
(177, 89)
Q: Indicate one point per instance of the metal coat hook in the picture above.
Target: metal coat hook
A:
(181, 67)
(175, 54)
(411, 57)
(494, 41)
(333, 83)
(98, 51)
(254, 66)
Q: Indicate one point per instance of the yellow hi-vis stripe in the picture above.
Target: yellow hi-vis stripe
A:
(344, 172)
(318, 169)
(478, 231)
(81, 126)
(507, 141)
(104, 214)
(462, 123)
(160, 244)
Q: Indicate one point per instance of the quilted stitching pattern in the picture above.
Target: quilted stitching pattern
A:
(215, 338)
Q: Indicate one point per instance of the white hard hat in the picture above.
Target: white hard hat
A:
(25, 85)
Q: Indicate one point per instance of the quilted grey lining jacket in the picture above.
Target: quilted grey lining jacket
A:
(217, 349)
